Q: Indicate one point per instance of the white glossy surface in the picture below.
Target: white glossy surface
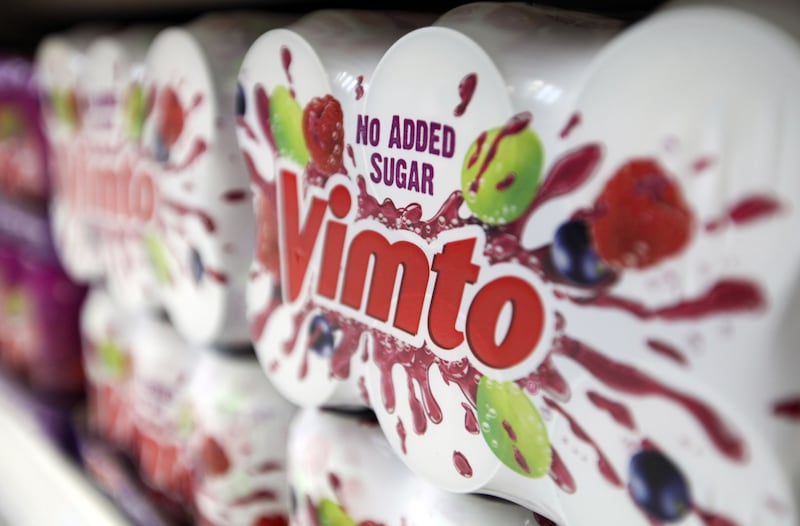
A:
(347, 461)
(38, 486)
(333, 54)
(197, 222)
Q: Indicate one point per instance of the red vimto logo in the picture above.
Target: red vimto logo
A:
(443, 294)
(118, 190)
(124, 191)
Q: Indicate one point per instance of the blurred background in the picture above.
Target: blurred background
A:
(24, 22)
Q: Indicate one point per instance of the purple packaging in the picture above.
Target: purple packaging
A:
(10, 297)
(40, 336)
(54, 362)
(23, 147)
(52, 418)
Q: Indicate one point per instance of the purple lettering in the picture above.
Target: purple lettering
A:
(448, 142)
(422, 136)
(400, 176)
(413, 178)
(362, 123)
(375, 175)
(427, 178)
(435, 127)
(408, 134)
(394, 134)
(374, 132)
(388, 171)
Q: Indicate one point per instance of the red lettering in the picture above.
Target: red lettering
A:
(299, 243)
(107, 183)
(388, 258)
(144, 195)
(524, 328)
(454, 270)
(335, 233)
(126, 181)
(502, 327)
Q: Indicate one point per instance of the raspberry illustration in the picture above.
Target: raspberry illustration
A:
(171, 120)
(324, 133)
(642, 217)
(213, 458)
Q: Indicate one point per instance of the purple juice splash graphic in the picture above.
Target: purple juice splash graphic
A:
(560, 474)
(629, 380)
(286, 62)
(462, 464)
(517, 124)
(727, 296)
(603, 464)
(466, 89)
(184, 210)
(749, 209)
(667, 350)
(618, 411)
(789, 408)
(359, 91)
(574, 120)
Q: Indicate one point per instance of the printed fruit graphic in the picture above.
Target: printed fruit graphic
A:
(501, 171)
(331, 514)
(135, 111)
(513, 428)
(158, 257)
(196, 265)
(320, 335)
(161, 151)
(113, 358)
(11, 123)
(642, 217)
(16, 304)
(66, 108)
(213, 459)
(170, 121)
(271, 520)
(324, 133)
(286, 119)
(573, 254)
(185, 420)
(241, 102)
(658, 486)
(267, 234)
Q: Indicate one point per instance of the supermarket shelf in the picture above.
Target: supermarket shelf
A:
(39, 486)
